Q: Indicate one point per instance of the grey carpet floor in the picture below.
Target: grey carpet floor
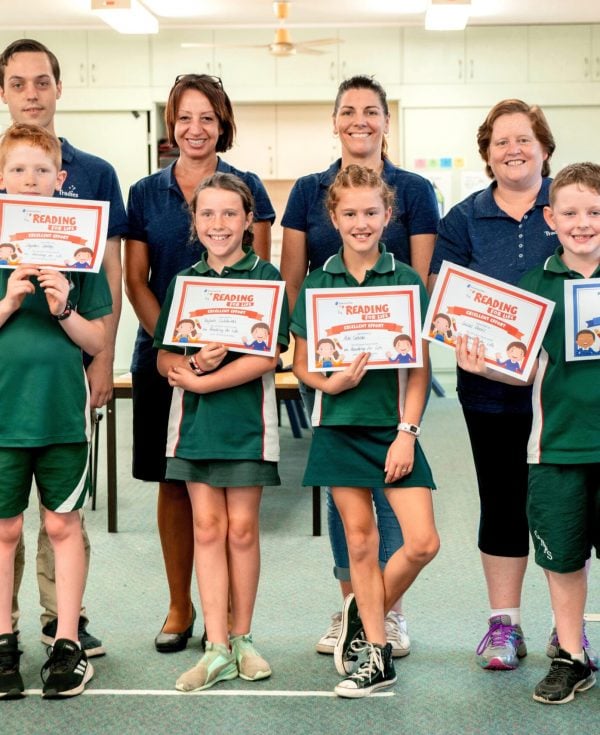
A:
(440, 688)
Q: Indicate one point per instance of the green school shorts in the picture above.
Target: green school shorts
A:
(60, 472)
(224, 472)
(354, 456)
(563, 512)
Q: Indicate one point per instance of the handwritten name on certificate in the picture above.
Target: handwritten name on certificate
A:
(53, 233)
(582, 319)
(243, 315)
(343, 322)
(509, 321)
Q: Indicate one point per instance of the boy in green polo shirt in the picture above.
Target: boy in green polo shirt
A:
(563, 506)
(46, 319)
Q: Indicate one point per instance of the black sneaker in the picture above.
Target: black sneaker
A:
(89, 643)
(377, 672)
(11, 683)
(68, 670)
(565, 677)
(351, 629)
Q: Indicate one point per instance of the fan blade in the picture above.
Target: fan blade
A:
(319, 42)
(191, 44)
(308, 50)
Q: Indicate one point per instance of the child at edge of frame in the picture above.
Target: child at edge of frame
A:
(46, 320)
(563, 501)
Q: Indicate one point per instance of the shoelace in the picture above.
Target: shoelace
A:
(392, 627)
(373, 664)
(9, 661)
(557, 667)
(498, 635)
(59, 663)
(334, 629)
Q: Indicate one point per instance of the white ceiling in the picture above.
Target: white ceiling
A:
(47, 14)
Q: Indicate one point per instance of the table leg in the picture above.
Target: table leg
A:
(111, 463)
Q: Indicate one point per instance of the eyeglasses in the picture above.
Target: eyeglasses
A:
(216, 81)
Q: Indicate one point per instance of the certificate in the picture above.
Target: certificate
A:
(509, 321)
(343, 322)
(52, 232)
(243, 315)
(582, 319)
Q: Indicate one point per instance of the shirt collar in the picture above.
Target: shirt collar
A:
(67, 150)
(555, 264)
(385, 263)
(247, 263)
(485, 204)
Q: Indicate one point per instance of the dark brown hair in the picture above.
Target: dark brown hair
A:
(28, 45)
(361, 81)
(212, 89)
(539, 125)
(228, 182)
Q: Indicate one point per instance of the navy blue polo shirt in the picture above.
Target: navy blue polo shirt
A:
(477, 234)
(415, 212)
(91, 177)
(158, 215)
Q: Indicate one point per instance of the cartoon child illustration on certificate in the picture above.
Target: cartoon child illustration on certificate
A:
(8, 254)
(187, 331)
(584, 343)
(403, 347)
(260, 337)
(441, 329)
(329, 353)
(516, 352)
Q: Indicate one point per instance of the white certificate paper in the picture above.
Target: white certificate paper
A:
(343, 322)
(243, 315)
(582, 319)
(51, 232)
(509, 321)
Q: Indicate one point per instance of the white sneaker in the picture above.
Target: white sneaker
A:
(396, 632)
(327, 642)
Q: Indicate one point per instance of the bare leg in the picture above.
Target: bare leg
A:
(64, 532)
(356, 509)
(504, 578)
(568, 593)
(10, 532)
(243, 547)
(175, 527)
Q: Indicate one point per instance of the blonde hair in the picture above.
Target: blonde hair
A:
(33, 135)
(356, 177)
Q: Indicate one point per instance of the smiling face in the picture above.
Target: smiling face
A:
(575, 216)
(361, 123)
(197, 126)
(585, 340)
(220, 222)
(515, 353)
(325, 349)
(30, 90)
(515, 155)
(260, 334)
(29, 170)
(360, 216)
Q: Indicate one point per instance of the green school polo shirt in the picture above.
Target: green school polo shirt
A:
(377, 400)
(237, 423)
(42, 379)
(566, 395)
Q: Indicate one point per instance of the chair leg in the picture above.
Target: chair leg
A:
(95, 446)
(292, 416)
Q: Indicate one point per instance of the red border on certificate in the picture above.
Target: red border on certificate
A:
(510, 321)
(343, 322)
(243, 315)
(68, 234)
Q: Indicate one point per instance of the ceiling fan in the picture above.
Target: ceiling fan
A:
(282, 44)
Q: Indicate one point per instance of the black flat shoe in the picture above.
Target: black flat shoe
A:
(173, 642)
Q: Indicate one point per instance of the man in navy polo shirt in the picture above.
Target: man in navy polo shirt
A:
(30, 85)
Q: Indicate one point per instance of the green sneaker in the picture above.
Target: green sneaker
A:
(217, 664)
(250, 664)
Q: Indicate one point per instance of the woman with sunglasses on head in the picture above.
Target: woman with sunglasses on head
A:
(200, 122)
(361, 120)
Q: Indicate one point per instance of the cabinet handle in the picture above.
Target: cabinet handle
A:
(220, 68)
(82, 73)
(270, 161)
(344, 73)
(597, 67)
(586, 67)
(460, 68)
(471, 69)
(93, 69)
(332, 71)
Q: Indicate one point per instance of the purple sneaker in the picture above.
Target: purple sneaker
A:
(502, 646)
(553, 645)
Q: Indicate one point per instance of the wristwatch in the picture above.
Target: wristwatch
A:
(409, 428)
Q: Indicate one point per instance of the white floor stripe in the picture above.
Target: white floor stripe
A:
(207, 693)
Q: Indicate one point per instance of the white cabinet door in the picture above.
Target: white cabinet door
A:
(596, 53)
(371, 51)
(243, 61)
(255, 144)
(305, 140)
(431, 57)
(72, 55)
(315, 74)
(117, 60)
(560, 53)
(169, 58)
(497, 54)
